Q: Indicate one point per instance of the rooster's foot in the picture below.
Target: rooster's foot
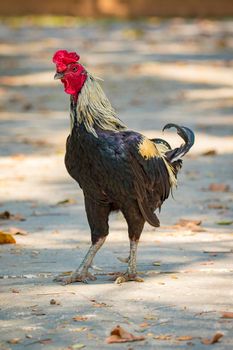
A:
(126, 277)
(75, 277)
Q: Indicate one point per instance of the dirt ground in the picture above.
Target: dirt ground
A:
(154, 72)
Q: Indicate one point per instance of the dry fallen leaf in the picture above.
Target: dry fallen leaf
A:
(80, 318)
(28, 336)
(45, 341)
(99, 305)
(187, 222)
(184, 338)
(14, 290)
(67, 201)
(54, 302)
(193, 225)
(5, 215)
(149, 317)
(6, 238)
(18, 156)
(227, 314)
(14, 341)
(217, 206)
(144, 325)
(119, 335)
(174, 277)
(218, 187)
(211, 152)
(76, 346)
(213, 340)
(163, 337)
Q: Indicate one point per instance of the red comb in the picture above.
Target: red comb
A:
(62, 58)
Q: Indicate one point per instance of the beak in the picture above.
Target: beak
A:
(58, 75)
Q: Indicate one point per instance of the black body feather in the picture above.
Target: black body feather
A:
(116, 168)
(113, 175)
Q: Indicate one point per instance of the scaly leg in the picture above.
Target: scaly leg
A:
(82, 274)
(131, 273)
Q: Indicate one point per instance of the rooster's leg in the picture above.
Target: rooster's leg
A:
(82, 274)
(131, 273)
(135, 223)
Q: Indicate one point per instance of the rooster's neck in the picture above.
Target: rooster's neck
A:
(93, 109)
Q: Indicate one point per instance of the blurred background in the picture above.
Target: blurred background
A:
(161, 61)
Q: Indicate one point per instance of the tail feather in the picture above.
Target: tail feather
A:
(148, 214)
(187, 135)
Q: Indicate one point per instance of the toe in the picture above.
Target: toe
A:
(91, 277)
(75, 277)
(127, 277)
(138, 279)
(121, 279)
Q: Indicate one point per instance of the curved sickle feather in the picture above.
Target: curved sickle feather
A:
(187, 135)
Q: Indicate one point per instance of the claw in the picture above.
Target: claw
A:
(96, 268)
(127, 277)
(75, 277)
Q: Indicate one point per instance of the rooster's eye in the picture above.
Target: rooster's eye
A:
(75, 69)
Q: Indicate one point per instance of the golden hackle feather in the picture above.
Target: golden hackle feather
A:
(94, 108)
(162, 149)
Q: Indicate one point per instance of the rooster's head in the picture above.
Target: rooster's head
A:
(72, 74)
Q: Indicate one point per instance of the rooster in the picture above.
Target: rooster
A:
(117, 168)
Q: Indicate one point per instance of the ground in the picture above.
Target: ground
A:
(154, 72)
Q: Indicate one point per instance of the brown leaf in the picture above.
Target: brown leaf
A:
(218, 187)
(197, 229)
(18, 156)
(80, 329)
(144, 325)
(174, 277)
(163, 337)
(6, 238)
(227, 314)
(54, 302)
(14, 341)
(210, 152)
(193, 225)
(67, 201)
(213, 340)
(187, 222)
(149, 317)
(184, 338)
(99, 304)
(5, 215)
(45, 341)
(80, 318)
(119, 335)
(217, 206)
